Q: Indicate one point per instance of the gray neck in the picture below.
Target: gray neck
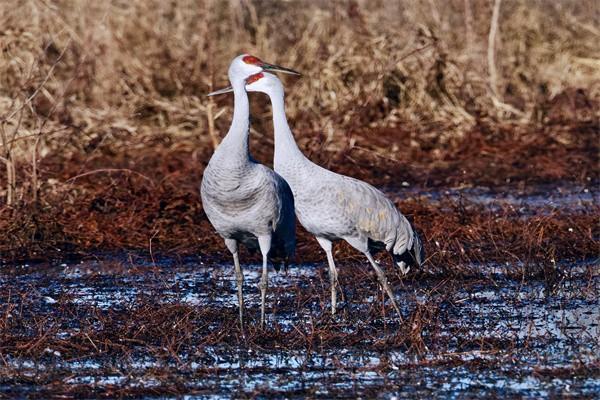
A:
(285, 144)
(235, 143)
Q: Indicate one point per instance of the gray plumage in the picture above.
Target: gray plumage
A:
(245, 201)
(333, 207)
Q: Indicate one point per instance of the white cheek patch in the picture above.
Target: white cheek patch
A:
(403, 267)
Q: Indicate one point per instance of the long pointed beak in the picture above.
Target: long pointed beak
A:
(221, 91)
(278, 68)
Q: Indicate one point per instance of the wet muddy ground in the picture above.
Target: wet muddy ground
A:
(125, 324)
(483, 335)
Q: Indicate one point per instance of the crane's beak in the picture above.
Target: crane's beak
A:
(221, 91)
(266, 67)
(277, 68)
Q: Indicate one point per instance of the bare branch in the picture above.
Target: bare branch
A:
(109, 170)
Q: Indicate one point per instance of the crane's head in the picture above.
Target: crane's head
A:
(264, 82)
(245, 65)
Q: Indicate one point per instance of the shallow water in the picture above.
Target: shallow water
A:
(538, 199)
(493, 335)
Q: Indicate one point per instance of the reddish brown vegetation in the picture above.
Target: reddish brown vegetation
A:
(144, 197)
(105, 129)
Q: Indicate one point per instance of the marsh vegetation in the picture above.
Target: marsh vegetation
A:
(479, 119)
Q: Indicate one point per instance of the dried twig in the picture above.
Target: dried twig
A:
(491, 57)
(110, 170)
(491, 49)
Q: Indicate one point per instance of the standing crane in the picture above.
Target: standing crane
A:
(333, 206)
(245, 201)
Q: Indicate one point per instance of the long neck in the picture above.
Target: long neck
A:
(285, 145)
(235, 143)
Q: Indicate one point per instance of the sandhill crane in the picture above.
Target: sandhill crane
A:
(244, 200)
(333, 206)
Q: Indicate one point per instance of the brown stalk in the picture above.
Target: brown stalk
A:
(491, 50)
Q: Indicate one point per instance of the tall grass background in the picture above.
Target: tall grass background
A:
(76, 74)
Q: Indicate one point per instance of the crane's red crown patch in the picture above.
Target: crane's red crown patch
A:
(254, 78)
(251, 60)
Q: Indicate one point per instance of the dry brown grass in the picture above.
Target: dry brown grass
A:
(116, 90)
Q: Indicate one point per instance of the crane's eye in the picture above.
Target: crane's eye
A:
(251, 60)
(254, 78)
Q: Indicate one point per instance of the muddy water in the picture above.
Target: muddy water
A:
(494, 335)
(535, 199)
(490, 334)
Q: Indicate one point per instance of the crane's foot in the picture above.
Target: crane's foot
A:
(396, 306)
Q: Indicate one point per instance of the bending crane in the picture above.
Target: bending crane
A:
(333, 206)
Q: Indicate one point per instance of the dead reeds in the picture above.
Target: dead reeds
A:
(105, 129)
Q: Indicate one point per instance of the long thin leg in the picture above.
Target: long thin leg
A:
(264, 243)
(333, 274)
(383, 281)
(233, 248)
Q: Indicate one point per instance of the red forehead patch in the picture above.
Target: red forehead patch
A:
(251, 60)
(254, 78)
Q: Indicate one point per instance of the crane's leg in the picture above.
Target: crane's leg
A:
(264, 243)
(333, 275)
(362, 244)
(233, 248)
(383, 281)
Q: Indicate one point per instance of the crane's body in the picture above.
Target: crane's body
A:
(334, 207)
(245, 201)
